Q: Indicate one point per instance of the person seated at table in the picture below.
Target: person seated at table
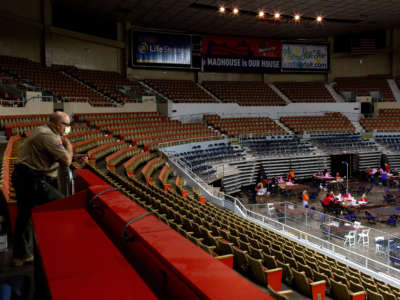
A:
(363, 199)
(347, 195)
(305, 199)
(326, 202)
(263, 181)
(325, 173)
(384, 178)
(291, 176)
(387, 168)
(335, 206)
(258, 186)
(368, 175)
(273, 185)
(376, 178)
(338, 178)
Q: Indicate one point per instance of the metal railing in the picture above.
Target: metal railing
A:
(310, 233)
(330, 235)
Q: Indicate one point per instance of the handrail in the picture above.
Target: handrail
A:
(234, 204)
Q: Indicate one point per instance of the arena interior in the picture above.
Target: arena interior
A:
(236, 149)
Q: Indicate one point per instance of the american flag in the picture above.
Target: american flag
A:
(363, 46)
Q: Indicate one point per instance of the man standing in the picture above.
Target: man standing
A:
(35, 177)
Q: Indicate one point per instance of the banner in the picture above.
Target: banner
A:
(150, 48)
(226, 54)
(305, 57)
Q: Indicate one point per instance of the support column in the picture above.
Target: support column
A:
(395, 55)
(121, 36)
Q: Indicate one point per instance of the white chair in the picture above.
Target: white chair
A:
(364, 237)
(270, 209)
(356, 224)
(350, 238)
(379, 248)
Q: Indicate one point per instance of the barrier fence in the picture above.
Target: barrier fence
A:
(379, 257)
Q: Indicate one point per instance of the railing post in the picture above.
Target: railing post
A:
(284, 211)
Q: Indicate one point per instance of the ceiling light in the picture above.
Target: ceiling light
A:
(319, 19)
(221, 9)
(235, 11)
(297, 17)
(261, 14)
(277, 15)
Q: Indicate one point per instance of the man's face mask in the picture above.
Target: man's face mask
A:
(67, 130)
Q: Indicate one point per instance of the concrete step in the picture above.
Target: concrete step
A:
(155, 91)
(282, 95)
(80, 81)
(208, 92)
(394, 88)
(283, 126)
(334, 94)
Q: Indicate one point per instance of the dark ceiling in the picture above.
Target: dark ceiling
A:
(181, 15)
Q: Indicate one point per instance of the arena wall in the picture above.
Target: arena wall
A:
(140, 73)
(355, 66)
(193, 111)
(204, 76)
(72, 108)
(66, 47)
(20, 29)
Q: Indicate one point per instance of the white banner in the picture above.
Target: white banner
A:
(305, 57)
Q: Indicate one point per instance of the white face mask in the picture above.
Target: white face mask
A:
(67, 130)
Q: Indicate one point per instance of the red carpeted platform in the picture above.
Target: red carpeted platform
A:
(80, 262)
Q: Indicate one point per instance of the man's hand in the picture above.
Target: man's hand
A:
(81, 158)
(66, 142)
(68, 146)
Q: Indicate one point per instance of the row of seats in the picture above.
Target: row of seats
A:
(108, 83)
(16, 119)
(85, 145)
(103, 150)
(243, 127)
(182, 91)
(305, 91)
(81, 117)
(393, 142)
(117, 157)
(151, 166)
(139, 158)
(7, 167)
(365, 86)
(346, 143)
(273, 148)
(327, 123)
(200, 161)
(164, 174)
(386, 121)
(76, 136)
(165, 125)
(51, 81)
(244, 92)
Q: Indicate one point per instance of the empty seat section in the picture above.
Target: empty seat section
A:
(243, 127)
(327, 123)
(305, 91)
(388, 120)
(374, 86)
(182, 91)
(109, 83)
(244, 92)
(51, 81)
